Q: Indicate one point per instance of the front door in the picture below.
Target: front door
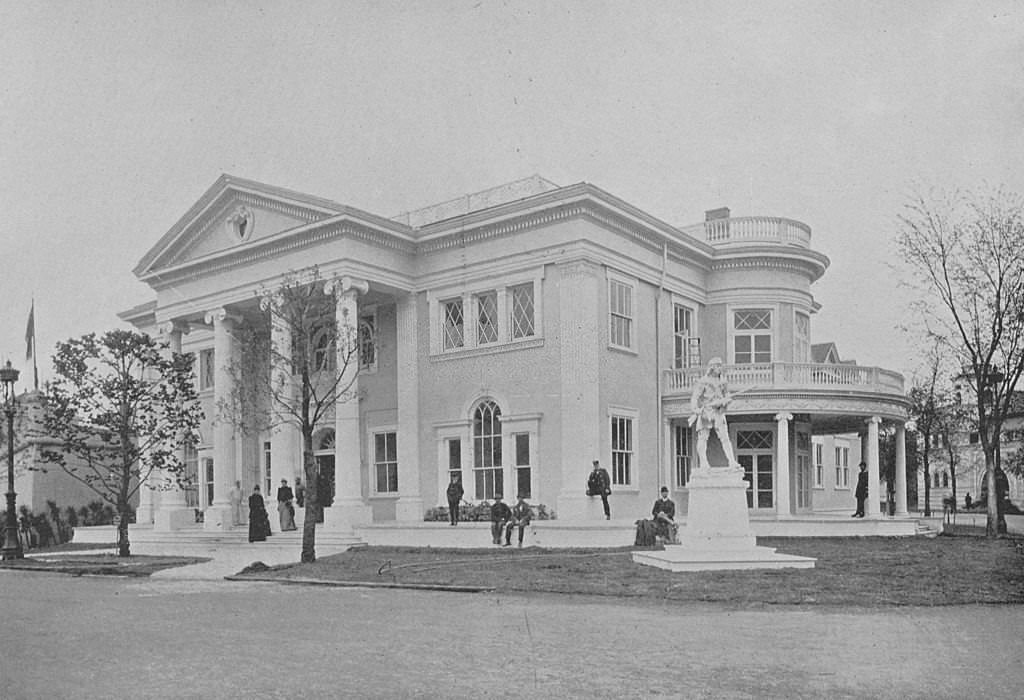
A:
(324, 483)
(754, 452)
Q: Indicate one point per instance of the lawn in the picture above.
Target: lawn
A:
(849, 572)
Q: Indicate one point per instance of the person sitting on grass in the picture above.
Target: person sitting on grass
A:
(500, 515)
(664, 514)
(521, 516)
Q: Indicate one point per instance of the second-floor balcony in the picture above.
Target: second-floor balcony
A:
(793, 376)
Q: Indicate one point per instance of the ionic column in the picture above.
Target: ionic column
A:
(285, 440)
(218, 514)
(871, 506)
(349, 507)
(580, 321)
(172, 513)
(782, 505)
(901, 469)
(410, 502)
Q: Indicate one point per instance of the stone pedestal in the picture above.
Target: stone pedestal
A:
(217, 518)
(717, 533)
(169, 519)
(343, 516)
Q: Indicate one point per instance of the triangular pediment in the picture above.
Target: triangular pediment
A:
(232, 214)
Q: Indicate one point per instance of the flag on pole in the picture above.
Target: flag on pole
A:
(30, 333)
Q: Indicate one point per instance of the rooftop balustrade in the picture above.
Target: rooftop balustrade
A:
(793, 376)
(749, 229)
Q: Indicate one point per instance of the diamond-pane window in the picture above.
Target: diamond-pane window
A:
(453, 324)
(753, 320)
(754, 439)
(522, 311)
(487, 318)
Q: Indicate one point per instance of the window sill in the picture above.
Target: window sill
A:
(384, 496)
(489, 349)
(623, 350)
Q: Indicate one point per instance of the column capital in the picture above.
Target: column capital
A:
(577, 268)
(168, 328)
(221, 315)
(874, 420)
(346, 284)
(783, 417)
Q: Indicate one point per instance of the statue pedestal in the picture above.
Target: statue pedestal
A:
(717, 533)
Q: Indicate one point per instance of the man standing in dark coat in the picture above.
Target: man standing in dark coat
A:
(862, 490)
(454, 494)
(600, 484)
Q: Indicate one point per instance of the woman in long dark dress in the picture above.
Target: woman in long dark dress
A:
(259, 523)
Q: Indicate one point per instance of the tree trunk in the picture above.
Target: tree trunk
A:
(123, 547)
(312, 504)
(927, 486)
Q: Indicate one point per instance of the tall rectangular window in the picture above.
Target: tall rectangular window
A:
(842, 467)
(686, 345)
(385, 462)
(207, 369)
(622, 450)
(802, 338)
(208, 480)
(522, 321)
(453, 332)
(819, 465)
(620, 302)
(523, 467)
(752, 336)
(682, 439)
(191, 485)
(487, 463)
(368, 341)
(486, 318)
(454, 458)
(266, 468)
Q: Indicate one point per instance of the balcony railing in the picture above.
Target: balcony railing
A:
(793, 375)
(745, 229)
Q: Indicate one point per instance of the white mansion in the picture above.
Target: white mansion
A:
(514, 336)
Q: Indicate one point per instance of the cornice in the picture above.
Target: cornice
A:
(261, 249)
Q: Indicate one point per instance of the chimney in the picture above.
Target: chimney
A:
(713, 214)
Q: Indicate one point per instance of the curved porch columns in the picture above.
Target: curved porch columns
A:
(871, 505)
(783, 509)
(901, 469)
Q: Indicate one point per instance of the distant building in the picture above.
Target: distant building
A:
(515, 335)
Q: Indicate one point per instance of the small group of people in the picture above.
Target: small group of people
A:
(259, 520)
(505, 520)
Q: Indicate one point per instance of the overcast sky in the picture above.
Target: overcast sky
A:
(116, 116)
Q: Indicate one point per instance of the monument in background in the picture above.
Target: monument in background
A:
(717, 533)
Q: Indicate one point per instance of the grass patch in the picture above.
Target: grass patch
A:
(63, 561)
(868, 572)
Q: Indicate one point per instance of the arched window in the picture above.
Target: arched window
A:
(324, 352)
(487, 467)
(945, 480)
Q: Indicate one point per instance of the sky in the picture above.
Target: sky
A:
(116, 116)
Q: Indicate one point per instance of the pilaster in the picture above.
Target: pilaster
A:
(410, 502)
(580, 317)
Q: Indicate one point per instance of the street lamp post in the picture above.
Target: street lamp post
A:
(12, 545)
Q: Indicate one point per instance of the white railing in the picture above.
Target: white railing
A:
(752, 228)
(793, 375)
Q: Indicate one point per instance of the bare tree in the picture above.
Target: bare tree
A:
(294, 369)
(966, 254)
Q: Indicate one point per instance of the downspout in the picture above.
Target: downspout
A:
(657, 374)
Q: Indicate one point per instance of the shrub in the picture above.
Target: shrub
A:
(481, 512)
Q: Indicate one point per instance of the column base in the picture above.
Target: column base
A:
(409, 510)
(342, 517)
(217, 518)
(173, 518)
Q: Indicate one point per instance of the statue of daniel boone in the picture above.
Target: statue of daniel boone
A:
(708, 402)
